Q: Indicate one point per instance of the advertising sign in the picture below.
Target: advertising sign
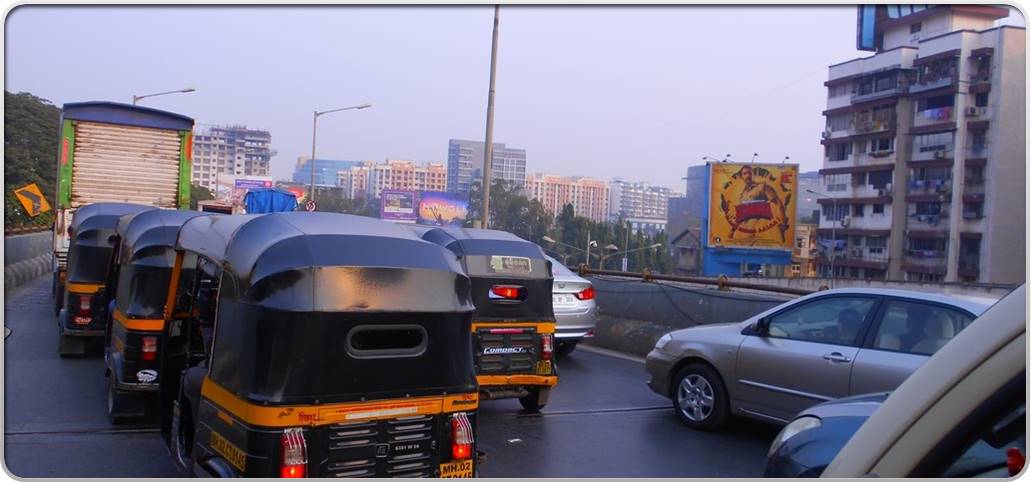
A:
(398, 206)
(752, 205)
(443, 208)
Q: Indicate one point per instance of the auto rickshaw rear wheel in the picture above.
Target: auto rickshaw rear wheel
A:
(532, 402)
(182, 441)
(564, 349)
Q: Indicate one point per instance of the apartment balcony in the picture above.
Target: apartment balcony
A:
(925, 261)
(970, 264)
(938, 224)
(932, 154)
(876, 157)
(929, 186)
(838, 102)
(931, 84)
(979, 151)
(859, 98)
(934, 116)
(866, 125)
(849, 161)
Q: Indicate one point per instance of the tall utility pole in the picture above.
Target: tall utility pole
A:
(488, 148)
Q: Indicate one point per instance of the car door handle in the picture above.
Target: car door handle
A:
(837, 357)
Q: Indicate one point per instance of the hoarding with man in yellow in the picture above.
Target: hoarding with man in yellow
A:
(752, 205)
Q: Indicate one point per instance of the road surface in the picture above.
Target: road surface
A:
(601, 421)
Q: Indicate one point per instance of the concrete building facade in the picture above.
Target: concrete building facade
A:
(638, 200)
(326, 170)
(589, 197)
(229, 150)
(924, 168)
(465, 164)
(368, 179)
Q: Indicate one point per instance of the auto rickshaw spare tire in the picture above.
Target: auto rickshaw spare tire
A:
(535, 400)
(700, 397)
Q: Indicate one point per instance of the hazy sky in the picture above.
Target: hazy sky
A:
(635, 92)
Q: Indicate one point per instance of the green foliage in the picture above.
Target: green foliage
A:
(30, 153)
(511, 211)
(199, 193)
(332, 201)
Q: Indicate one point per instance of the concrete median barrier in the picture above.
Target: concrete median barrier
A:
(634, 314)
(26, 257)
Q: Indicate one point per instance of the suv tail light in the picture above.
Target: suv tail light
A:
(149, 350)
(1014, 460)
(295, 454)
(461, 437)
(586, 294)
(547, 346)
(507, 293)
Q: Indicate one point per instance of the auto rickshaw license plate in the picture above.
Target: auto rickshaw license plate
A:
(457, 469)
(544, 367)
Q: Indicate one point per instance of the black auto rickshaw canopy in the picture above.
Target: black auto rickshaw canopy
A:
(333, 307)
(496, 258)
(93, 237)
(145, 258)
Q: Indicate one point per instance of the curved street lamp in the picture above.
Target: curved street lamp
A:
(314, 130)
(137, 98)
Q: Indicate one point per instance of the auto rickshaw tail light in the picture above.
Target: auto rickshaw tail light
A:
(84, 304)
(1014, 460)
(461, 436)
(507, 293)
(149, 351)
(295, 454)
(585, 294)
(547, 346)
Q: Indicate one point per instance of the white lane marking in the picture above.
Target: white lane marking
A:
(611, 353)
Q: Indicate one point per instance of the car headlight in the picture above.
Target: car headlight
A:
(797, 426)
(663, 341)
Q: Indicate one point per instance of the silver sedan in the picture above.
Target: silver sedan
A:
(819, 347)
(575, 309)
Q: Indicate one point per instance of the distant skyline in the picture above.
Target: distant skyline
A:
(639, 93)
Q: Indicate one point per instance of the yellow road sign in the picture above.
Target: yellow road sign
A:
(32, 199)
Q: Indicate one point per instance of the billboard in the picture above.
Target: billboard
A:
(398, 206)
(443, 208)
(752, 205)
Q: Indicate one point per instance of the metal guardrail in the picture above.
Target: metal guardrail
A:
(721, 282)
(12, 230)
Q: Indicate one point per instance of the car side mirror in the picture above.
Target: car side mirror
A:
(762, 327)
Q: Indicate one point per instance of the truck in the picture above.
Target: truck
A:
(113, 152)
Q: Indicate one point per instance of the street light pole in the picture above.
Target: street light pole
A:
(137, 98)
(314, 132)
(488, 148)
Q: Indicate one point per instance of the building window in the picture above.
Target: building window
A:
(973, 210)
(839, 152)
(941, 141)
(928, 208)
(835, 213)
(857, 210)
(878, 209)
(915, 27)
(836, 182)
(838, 90)
(882, 145)
(981, 100)
(879, 179)
(796, 269)
(838, 122)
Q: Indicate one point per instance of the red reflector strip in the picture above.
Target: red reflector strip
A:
(506, 331)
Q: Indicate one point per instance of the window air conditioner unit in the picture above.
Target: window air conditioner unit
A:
(972, 112)
(827, 134)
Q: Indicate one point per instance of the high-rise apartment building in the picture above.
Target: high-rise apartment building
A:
(229, 150)
(638, 200)
(369, 179)
(924, 165)
(589, 197)
(465, 164)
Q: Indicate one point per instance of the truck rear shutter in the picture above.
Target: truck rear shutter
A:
(118, 163)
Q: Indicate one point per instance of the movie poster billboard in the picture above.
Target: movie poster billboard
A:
(398, 206)
(752, 205)
(443, 208)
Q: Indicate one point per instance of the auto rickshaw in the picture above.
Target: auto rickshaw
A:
(137, 290)
(82, 317)
(317, 344)
(514, 325)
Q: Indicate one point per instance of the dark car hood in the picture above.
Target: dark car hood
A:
(854, 406)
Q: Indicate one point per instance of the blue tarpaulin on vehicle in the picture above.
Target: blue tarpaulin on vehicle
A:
(258, 201)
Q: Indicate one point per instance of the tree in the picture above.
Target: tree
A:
(199, 193)
(30, 152)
